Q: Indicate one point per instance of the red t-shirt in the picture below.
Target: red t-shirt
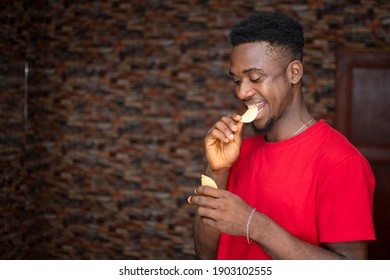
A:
(315, 185)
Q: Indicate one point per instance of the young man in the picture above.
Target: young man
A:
(298, 189)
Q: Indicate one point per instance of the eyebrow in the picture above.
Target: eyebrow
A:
(245, 71)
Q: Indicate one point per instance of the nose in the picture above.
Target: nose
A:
(244, 90)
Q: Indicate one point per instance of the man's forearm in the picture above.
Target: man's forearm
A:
(280, 244)
(206, 239)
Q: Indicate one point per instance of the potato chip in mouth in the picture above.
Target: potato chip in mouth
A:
(207, 181)
(250, 114)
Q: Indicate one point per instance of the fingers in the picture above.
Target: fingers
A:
(205, 196)
(208, 191)
(227, 128)
(207, 204)
(240, 126)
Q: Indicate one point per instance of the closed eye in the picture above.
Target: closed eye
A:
(256, 80)
(237, 82)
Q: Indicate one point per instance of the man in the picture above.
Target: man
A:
(296, 190)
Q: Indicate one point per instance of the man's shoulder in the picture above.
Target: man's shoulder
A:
(335, 145)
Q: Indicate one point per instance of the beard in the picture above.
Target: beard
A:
(267, 127)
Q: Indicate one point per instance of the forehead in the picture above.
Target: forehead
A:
(253, 55)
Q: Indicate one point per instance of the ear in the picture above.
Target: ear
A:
(295, 71)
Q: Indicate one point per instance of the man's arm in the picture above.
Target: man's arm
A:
(206, 238)
(280, 244)
(226, 212)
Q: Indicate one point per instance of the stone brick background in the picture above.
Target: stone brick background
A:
(101, 141)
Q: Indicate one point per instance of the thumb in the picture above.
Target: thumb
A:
(238, 134)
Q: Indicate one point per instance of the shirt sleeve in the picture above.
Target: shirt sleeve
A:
(345, 202)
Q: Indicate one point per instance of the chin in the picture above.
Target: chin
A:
(258, 129)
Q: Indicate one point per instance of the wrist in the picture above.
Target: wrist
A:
(221, 177)
(220, 172)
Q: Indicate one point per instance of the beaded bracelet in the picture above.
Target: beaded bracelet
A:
(248, 224)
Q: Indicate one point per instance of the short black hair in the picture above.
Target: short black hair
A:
(277, 29)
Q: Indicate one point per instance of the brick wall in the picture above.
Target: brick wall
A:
(120, 95)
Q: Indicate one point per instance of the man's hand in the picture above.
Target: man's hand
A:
(223, 143)
(221, 209)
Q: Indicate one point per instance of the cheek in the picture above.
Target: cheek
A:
(278, 98)
(280, 91)
(272, 94)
